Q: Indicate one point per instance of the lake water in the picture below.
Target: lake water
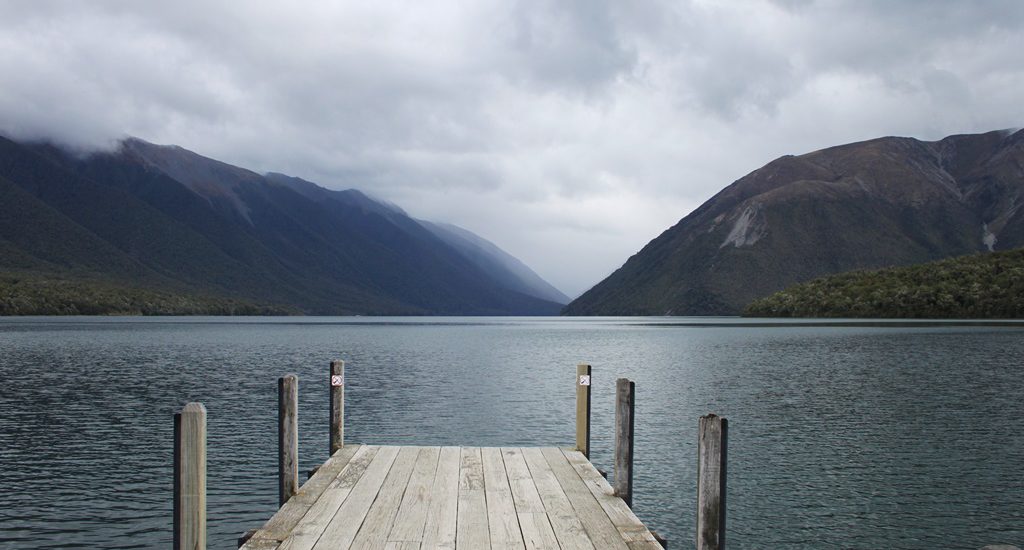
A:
(854, 436)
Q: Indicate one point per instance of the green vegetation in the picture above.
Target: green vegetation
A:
(31, 294)
(980, 286)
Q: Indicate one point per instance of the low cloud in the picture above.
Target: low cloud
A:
(570, 133)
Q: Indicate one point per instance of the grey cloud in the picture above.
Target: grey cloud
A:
(573, 44)
(575, 120)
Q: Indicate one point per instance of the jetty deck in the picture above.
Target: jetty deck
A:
(403, 498)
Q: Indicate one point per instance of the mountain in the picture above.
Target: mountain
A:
(166, 219)
(498, 264)
(989, 285)
(885, 202)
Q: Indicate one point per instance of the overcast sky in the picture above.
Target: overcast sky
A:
(569, 132)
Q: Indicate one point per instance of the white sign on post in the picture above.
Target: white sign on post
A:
(337, 380)
(584, 379)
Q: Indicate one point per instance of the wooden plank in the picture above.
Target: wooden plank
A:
(287, 437)
(621, 516)
(343, 525)
(625, 399)
(524, 492)
(567, 527)
(537, 531)
(190, 478)
(440, 528)
(284, 521)
(712, 432)
(502, 522)
(644, 545)
(337, 407)
(412, 512)
(583, 381)
(597, 524)
(261, 544)
(471, 529)
(402, 545)
(381, 518)
(311, 525)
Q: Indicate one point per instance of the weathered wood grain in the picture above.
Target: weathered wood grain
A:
(599, 528)
(537, 531)
(381, 517)
(345, 523)
(625, 399)
(621, 515)
(525, 498)
(439, 529)
(190, 477)
(472, 529)
(712, 434)
(567, 527)
(337, 413)
(412, 512)
(502, 521)
(402, 545)
(287, 437)
(524, 491)
(583, 408)
(307, 531)
(301, 506)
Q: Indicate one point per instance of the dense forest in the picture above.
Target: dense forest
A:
(989, 285)
(31, 294)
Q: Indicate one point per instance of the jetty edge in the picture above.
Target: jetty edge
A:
(419, 497)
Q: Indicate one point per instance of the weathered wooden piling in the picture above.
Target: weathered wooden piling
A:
(287, 437)
(712, 439)
(625, 400)
(583, 409)
(337, 405)
(190, 478)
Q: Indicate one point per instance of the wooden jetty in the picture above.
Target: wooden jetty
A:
(406, 498)
(450, 497)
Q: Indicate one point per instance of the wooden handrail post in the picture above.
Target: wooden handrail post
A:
(287, 437)
(712, 439)
(190, 477)
(583, 409)
(625, 400)
(337, 405)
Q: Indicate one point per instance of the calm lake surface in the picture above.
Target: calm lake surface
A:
(853, 436)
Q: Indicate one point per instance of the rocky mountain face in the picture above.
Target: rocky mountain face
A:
(166, 218)
(886, 202)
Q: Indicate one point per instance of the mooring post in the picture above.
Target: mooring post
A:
(337, 405)
(190, 477)
(712, 439)
(625, 400)
(583, 409)
(287, 437)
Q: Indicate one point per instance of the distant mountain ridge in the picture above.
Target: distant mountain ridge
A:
(165, 218)
(885, 202)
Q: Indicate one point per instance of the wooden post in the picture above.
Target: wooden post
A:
(287, 437)
(337, 405)
(625, 398)
(712, 439)
(583, 409)
(190, 477)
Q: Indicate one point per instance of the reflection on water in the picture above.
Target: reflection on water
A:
(840, 436)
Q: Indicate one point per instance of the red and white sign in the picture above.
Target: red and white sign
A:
(337, 380)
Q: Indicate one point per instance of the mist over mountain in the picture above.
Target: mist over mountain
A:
(885, 202)
(165, 218)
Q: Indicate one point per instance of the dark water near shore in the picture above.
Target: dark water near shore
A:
(840, 436)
